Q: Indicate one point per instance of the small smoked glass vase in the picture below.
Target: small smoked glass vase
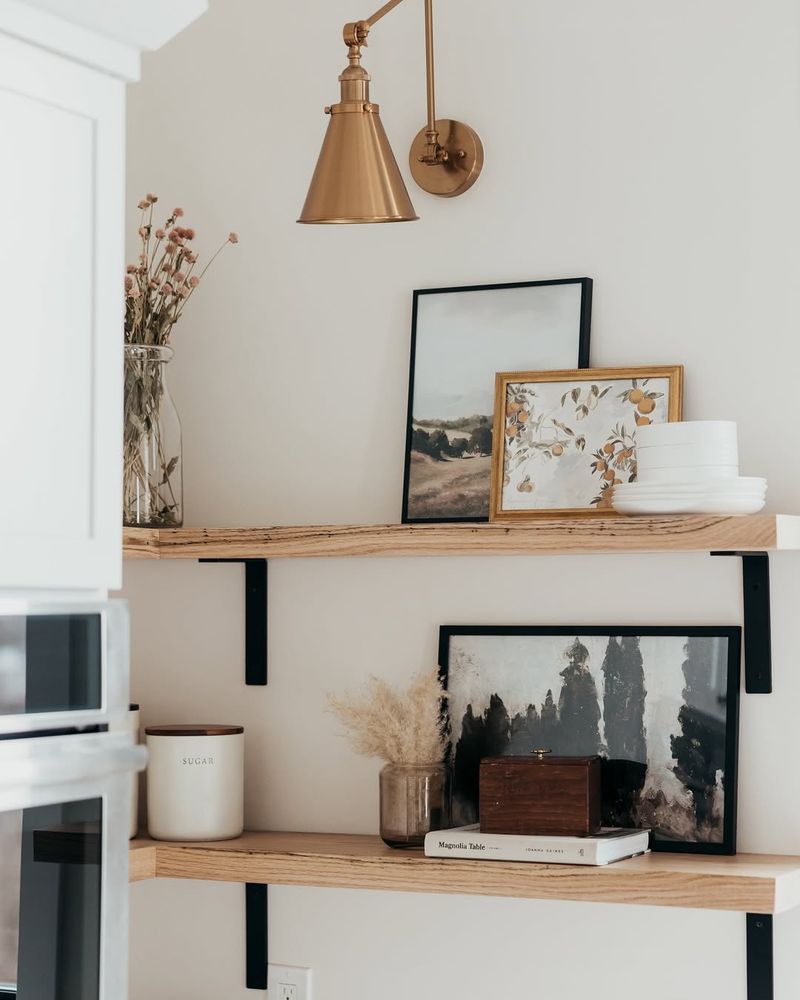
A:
(415, 799)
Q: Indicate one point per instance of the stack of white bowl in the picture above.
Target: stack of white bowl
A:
(690, 467)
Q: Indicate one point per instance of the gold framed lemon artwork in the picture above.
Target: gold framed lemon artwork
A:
(564, 439)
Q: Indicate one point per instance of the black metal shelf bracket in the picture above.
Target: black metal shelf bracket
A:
(257, 956)
(255, 618)
(760, 971)
(757, 621)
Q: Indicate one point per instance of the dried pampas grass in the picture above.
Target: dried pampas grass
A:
(399, 727)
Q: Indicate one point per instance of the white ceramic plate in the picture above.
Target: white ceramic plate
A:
(682, 501)
(680, 504)
(664, 456)
(714, 486)
(701, 505)
(688, 432)
(692, 474)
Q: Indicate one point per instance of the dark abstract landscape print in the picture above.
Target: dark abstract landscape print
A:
(655, 707)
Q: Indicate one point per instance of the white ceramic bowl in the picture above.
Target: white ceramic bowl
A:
(741, 484)
(687, 474)
(700, 505)
(664, 456)
(682, 496)
(686, 496)
(689, 432)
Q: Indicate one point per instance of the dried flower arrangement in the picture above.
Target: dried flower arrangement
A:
(157, 289)
(399, 727)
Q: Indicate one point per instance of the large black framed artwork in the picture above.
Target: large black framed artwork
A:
(659, 704)
(460, 338)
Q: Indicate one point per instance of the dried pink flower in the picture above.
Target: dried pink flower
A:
(163, 277)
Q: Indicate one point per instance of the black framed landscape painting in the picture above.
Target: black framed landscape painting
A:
(460, 338)
(659, 704)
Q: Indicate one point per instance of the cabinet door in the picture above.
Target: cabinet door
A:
(61, 312)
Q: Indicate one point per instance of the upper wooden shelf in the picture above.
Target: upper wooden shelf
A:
(747, 883)
(685, 533)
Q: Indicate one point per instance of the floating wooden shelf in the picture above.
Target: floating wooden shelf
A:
(747, 883)
(685, 533)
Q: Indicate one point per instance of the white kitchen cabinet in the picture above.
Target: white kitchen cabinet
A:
(62, 190)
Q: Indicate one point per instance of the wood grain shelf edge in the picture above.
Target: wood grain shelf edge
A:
(685, 533)
(142, 860)
(744, 883)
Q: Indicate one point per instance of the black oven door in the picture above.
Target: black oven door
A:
(64, 825)
(51, 863)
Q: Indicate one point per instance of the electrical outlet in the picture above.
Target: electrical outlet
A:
(288, 982)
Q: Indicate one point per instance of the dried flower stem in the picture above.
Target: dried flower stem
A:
(399, 727)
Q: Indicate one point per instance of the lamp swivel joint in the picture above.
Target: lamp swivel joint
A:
(355, 34)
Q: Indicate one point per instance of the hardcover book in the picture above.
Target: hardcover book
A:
(611, 844)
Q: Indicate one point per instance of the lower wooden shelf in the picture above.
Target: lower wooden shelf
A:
(747, 883)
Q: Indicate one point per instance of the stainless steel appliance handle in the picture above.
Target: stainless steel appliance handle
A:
(53, 761)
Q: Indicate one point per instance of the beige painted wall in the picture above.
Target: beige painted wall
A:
(654, 147)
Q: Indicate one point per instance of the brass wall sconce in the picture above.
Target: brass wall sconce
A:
(357, 178)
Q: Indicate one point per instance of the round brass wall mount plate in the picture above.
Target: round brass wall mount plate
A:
(463, 166)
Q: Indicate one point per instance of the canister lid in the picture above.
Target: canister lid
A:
(200, 729)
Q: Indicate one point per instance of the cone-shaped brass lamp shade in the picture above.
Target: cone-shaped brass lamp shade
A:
(357, 178)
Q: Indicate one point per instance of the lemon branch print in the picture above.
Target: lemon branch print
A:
(615, 462)
(541, 430)
(529, 435)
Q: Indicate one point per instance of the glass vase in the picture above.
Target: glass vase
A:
(415, 799)
(152, 459)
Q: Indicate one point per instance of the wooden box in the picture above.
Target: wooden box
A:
(538, 795)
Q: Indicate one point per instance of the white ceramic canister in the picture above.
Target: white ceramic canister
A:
(195, 782)
(133, 729)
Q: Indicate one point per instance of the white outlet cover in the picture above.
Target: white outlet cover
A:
(279, 976)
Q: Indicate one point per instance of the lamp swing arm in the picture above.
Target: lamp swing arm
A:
(355, 36)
